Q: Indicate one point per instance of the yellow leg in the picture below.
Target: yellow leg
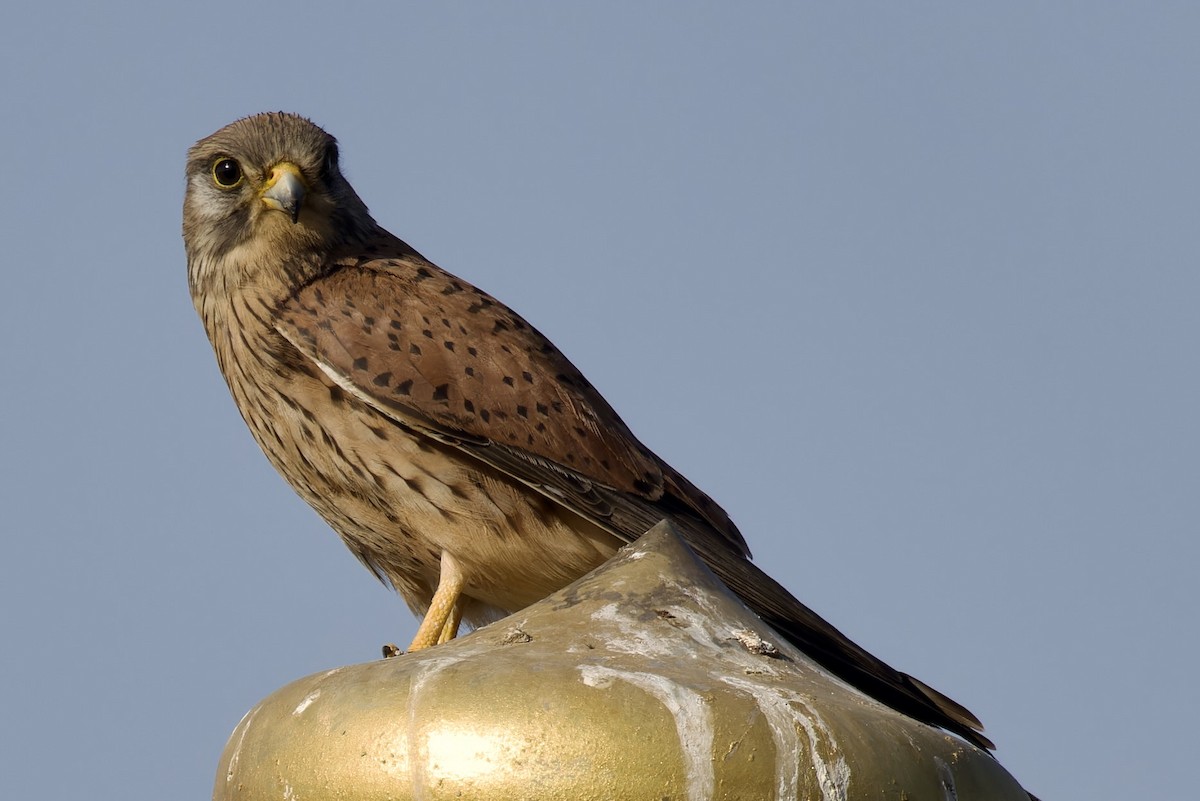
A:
(450, 630)
(442, 609)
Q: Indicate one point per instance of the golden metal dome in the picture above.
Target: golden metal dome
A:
(646, 679)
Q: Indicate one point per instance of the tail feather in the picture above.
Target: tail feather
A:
(834, 651)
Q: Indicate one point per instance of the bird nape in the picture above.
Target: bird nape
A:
(459, 454)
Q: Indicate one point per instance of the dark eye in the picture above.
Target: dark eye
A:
(227, 173)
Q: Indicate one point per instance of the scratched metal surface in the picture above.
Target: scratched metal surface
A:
(646, 679)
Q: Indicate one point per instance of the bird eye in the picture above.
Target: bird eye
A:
(227, 173)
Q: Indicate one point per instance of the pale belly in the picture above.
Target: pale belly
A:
(400, 500)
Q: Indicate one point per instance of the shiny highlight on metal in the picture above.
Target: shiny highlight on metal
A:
(646, 679)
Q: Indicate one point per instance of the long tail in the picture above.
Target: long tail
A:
(833, 650)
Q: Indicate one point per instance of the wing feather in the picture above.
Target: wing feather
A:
(441, 356)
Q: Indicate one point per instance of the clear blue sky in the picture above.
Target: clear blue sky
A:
(911, 289)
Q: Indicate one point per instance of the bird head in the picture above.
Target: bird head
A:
(266, 194)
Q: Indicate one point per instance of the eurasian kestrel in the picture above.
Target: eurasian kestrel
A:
(456, 451)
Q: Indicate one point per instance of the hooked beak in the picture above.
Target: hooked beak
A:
(285, 190)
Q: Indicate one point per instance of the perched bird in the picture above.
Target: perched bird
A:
(458, 453)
